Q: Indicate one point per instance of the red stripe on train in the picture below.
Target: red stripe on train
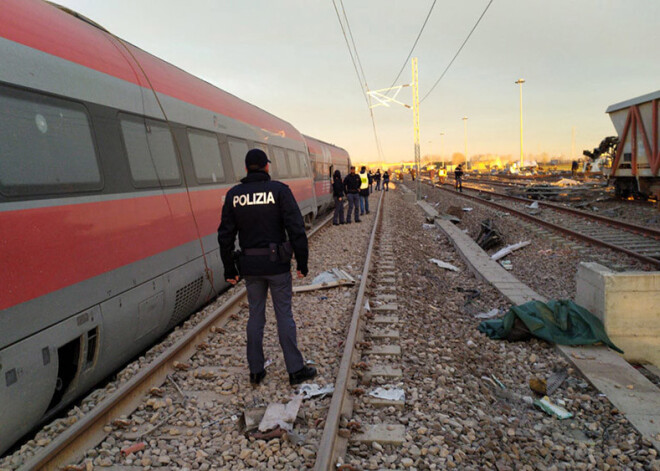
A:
(60, 246)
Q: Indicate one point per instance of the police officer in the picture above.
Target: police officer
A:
(364, 191)
(263, 212)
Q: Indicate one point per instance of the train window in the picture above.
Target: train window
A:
(304, 164)
(206, 156)
(46, 145)
(280, 163)
(293, 163)
(262, 147)
(150, 151)
(237, 149)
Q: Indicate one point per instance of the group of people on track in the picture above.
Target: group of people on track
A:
(355, 188)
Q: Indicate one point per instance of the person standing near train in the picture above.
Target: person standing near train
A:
(338, 195)
(386, 181)
(458, 176)
(263, 212)
(352, 187)
(364, 191)
(377, 179)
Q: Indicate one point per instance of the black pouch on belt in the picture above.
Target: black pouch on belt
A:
(285, 251)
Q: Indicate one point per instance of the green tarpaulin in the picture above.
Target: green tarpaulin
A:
(560, 321)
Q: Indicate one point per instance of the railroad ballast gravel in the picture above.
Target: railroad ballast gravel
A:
(454, 417)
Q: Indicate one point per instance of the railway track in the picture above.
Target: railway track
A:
(639, 242)
(338, 428)
(70, 446)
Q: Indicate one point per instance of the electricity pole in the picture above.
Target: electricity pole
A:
(415, 88)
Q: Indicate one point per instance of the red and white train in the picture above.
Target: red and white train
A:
(113, 168)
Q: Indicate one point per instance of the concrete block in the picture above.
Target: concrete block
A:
(375, 402)
(627, 304)
(385, 434)
(386, 320)
(386, 371)
(384, 334)
(384, 350)
(386, 307)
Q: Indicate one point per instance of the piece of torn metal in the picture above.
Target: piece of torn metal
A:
(507, 250)
(328, 279)
(556, 379)
(393, 394)
(445, 265)
(281, 415)
(313, 390)
(428, 226)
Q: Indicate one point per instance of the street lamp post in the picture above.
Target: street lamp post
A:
(520, 82)
(440, 148)
(465, 140)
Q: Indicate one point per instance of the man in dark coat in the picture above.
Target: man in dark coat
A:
(352, 184)
(458, 176)
(263, 213)
(338, 195)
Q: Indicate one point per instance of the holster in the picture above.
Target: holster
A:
(285, 251)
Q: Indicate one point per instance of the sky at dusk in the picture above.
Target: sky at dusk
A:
(289, 57)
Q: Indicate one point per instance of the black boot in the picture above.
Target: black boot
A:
(256, 378)
(307, 372)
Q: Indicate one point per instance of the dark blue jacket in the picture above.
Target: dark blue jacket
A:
(261, 212)
(337, 188)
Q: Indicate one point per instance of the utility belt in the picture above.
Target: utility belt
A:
(276, 252)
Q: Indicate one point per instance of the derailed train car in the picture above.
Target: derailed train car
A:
(635, 171)
(113, 168)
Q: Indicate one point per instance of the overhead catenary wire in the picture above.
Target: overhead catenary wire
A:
(361, 77)
(457, 52)
(412, 49)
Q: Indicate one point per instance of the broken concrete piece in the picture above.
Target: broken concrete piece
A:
(281, 415)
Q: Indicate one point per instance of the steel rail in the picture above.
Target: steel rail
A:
(629, 226)
(70, 445)
(327, 453)
(563, 230)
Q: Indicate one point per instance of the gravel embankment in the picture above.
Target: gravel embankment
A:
(455, 416)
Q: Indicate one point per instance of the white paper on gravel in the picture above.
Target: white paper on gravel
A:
(394, 394)
(282, 415)
(445, 265)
